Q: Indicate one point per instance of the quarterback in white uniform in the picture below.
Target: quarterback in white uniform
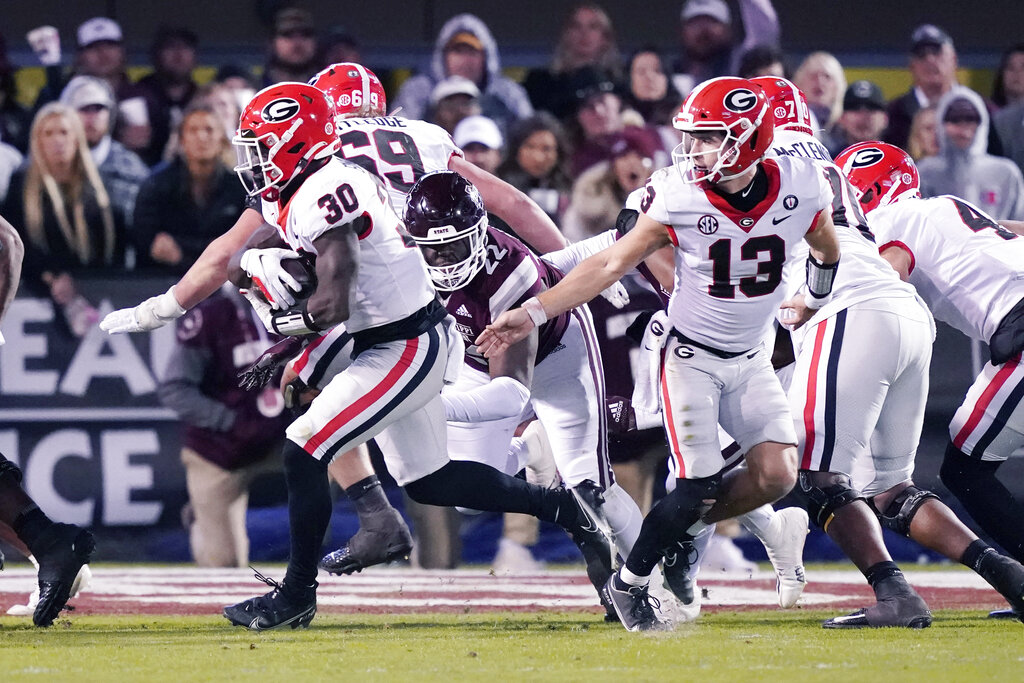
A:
(733, 220)
(968, 269)
(368, 278)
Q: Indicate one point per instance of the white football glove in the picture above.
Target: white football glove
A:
(616, 295)
(152, 313)
(262, 309)
(264, 267)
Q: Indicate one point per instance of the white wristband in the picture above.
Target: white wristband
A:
(535, 309)
(814, 302)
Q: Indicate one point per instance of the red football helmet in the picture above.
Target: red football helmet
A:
(281, 130)
(738, 109)
(880, 173)
(788, 103)
(355, 90)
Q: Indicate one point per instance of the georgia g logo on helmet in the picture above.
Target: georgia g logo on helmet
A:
(280, 110)
(867, 157)
(740, 100)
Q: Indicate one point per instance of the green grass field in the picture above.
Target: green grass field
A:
(720, 646)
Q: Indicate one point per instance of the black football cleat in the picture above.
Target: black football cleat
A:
(1006, 575)
(64, 548)
(1005, 614)
(632, 604)
(592, 542)
(384, 539)
(279, 608)
(676, 570)
(898, 605)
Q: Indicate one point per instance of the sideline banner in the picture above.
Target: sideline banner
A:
(82, 417)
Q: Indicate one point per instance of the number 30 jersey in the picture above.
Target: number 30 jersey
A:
(729, 263)
(391, 279)
(396, 150)
(967, 268)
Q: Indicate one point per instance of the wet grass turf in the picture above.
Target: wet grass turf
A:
(720, 646)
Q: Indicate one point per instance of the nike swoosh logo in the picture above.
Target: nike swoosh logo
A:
(254, 624)
(776, 221)
(753, 354)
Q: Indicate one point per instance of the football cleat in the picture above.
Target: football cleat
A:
(514, 558)
(64, 549)
(632, 604)
(385, 538)
(898, 605)
(591, 540)
(1005, 614)
(1006, 575)
(81, 583)
(279, 608)
(785, 547)
(676, 569)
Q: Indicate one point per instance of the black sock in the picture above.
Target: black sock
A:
(29, 525)
(975, 554)
(309, 514)
(368, 498)
(477, 486)
(986, 499)
(668, 521)
(881, 571)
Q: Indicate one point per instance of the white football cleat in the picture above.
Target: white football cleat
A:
(785, 546)
(513, 558)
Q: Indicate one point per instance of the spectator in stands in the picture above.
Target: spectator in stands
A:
(597, 116)
(121, 170)
(924, 136)
(101, 54)
(465, 47)
(600, 192)
(480, 140)
(14, 118)
(188, 203)
(235, 77)
(1008, 87)
(650, 93)
(1008, 94)
(10, 161)
(863, 117)
(536, 163)
(933, 65)
(452, 100)
(170, 87)
(708, 43)
(963, 167)
(820, 76)
(293, 48)
(587, 39)
(225, 101)
(228, 433)
(59, 205)
(763, 60)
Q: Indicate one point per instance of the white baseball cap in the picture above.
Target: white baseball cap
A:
(99, 29)
(480, 130)
(83, 91)
(716, 9)
(453, 85)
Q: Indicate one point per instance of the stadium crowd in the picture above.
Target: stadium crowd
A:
(103, 173)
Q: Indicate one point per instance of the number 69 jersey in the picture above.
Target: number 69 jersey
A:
(729, 263)
(391, 281)
(967, 268)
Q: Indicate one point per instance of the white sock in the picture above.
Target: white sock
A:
(758, 521)
(632, 579)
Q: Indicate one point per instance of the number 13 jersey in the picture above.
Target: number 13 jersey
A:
(729, 263)
(391, 279)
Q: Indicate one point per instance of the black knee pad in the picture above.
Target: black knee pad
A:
(9, 471)
(900, 512)
(825, 492)
(964, 475)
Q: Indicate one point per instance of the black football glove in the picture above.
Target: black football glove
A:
(262, 371)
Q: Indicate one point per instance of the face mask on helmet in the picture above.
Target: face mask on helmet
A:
(454, 256)
(880, 173)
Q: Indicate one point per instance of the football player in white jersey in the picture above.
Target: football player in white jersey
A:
(733, 220)
(398, 151)
(369, 279)
(968, 269)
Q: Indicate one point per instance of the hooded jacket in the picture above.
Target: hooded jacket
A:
(991, 183)
(502, 99)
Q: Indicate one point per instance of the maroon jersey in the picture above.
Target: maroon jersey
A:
(511, 275)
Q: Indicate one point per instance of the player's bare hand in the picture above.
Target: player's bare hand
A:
(506, 330)
(793, 313)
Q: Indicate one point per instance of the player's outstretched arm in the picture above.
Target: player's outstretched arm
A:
(12, 251)
(520, 212)
(582, 284)
(205, 276)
